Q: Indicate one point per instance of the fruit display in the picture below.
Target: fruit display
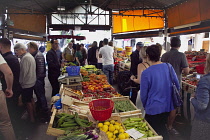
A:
(98, 90)
(198, 54)
(190, 80)
(77, 92)
(140, 125)
(123, 106)
(113, 129)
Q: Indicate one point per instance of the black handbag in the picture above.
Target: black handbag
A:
(177, 100)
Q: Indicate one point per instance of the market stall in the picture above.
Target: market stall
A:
(95, 109)
(196, 60)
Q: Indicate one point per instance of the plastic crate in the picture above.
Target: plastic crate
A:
(200, 69)
(73, 70)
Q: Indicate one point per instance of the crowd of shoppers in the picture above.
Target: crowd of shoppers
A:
(24, 74)
(102, 56)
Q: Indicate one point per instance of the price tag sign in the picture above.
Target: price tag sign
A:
(134, 133)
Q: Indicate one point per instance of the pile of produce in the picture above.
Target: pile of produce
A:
(97, 91)
(77, 92)
(66, 65)
(113, 129)
(70, 64)
(140, 125)
(198, 54)
(71, 123)
(92, 75)
(123, 106)
(89, 135)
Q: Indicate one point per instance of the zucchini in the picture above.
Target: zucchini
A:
(68, 125)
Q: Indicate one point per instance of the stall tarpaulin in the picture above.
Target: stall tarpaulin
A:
(123, 23)
(188, 12)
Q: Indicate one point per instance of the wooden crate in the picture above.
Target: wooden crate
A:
(188, 87)
(139, 115)
(76, 86)
(61, 89)
(128, 112)
(66, 108)
(70, 92)
(55, 131)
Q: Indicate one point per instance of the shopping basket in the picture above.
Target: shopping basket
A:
(101, 109)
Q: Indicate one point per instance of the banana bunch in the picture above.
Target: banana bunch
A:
(64, 69)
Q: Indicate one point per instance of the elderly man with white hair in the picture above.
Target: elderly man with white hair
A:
(27, 77)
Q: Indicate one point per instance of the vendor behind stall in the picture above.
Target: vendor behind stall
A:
(135, 58)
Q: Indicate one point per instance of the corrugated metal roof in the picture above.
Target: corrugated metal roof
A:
(48, 6)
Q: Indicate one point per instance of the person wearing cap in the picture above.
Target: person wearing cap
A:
(135, 58)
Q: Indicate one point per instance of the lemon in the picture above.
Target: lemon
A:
(121, 136)
(112, 121)
(121, 130)
(111, 125)
(111, 138)
(116, 131)
(114, 136)
(106, 123)
(117, 127)
(111, 128)
(126, 135)
(105, 128)
(108, 132)
(121, 127)
(110, 135)
(116, 123)
(100, 125)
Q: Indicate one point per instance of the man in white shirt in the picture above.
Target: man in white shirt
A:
(5, 123)
(107, 53)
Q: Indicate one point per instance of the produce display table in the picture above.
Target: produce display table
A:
(75, 106)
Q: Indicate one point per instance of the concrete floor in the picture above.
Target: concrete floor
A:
(38, 130)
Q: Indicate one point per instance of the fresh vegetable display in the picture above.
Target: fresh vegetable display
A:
(123, 106)
(69, 122)
(140, 125)
(113, 129)
(88, 135)
(66, 65)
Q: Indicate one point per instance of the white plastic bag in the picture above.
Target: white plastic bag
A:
(139, 104)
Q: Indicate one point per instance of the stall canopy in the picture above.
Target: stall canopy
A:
(193, 14)
(137, 20)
